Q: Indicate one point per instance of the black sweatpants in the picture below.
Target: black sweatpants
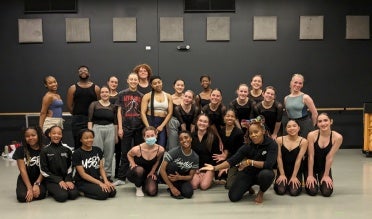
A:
(21, 190)
(59, 194)
(244, 181)
(94, 191)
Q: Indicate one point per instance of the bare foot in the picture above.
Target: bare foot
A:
(259, 198)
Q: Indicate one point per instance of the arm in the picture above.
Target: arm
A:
(97, 89)
(70, 98)
(47, 100)
(167, 181)
(120, 123)
(303, 149)
(329, 159)
(90, 115)
(130, 155)
(169, 113)
(26, 180)
(144, 102)
(156, 164)
(282, 177)
(278, 123)
(310, 181)
(310, 104)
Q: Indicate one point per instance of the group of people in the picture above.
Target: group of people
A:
(184, 140)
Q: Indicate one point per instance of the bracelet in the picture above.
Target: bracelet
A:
(37, 184)
(252, 163)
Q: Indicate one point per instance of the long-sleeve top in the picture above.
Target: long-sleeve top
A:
(55, 163)
(266, 152)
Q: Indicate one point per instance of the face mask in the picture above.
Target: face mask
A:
(150, 141)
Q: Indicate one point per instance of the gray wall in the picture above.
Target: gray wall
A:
(337, 71)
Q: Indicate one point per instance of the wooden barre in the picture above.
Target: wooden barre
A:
(29, 114)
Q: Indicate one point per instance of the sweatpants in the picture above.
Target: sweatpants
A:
(104, 138)
(94, 191)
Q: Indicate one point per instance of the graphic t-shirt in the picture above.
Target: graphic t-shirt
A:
(32, 164)
(89, 160)
(130, 103)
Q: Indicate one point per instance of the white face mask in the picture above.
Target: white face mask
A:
(150, 141)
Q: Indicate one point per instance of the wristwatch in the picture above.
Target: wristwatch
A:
(37, 184)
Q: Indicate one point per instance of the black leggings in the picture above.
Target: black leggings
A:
(138, 176)
(59, 194)
(282, 188)
(94, 191)
(244, 181)
(21, 190)
(324, 190)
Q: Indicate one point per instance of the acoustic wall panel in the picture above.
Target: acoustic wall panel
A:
(311, 27)
(218, 28)
(171, 29)
(265, 28)
(77, 30)
(30, 30)
(124, 29)
(357, 27)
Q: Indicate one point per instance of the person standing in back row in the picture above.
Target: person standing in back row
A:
(79, 97)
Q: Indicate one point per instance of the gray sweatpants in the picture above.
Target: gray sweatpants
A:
(104, 138)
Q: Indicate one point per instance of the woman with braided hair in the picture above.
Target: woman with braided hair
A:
(30, 184)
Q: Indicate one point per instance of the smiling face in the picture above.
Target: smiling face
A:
(143, 74)
(256, 133)
(83, 73)
(31, 137)
(205, 82)
(292, 128)
(269, 95)
(104, 93)
(51, 83)
(185, 140)
(132, 81)
(87, 139)
(216, 97)
(242, 92)
(179, 86)
(188, 97)
(55, 134)
(112, 83)
(229, 118)
(256, 82)
(157, 85)
(202, 123)
(324, 122)
(297, 83)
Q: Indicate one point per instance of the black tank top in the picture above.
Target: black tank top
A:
(146, 164)
(83, 97)
(289, 158)
(320, 154)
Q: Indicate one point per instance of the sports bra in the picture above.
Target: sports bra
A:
(159, 106)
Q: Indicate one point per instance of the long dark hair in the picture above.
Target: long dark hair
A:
(26, 146)
(153, 95)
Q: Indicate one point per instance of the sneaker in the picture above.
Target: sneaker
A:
(118, 182)
(139, 192)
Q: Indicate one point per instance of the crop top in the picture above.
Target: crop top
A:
(159, 106)
(56, 108)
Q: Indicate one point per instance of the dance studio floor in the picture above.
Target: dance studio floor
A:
(352, 198)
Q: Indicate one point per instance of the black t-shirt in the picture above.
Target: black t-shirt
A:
(130, 103)
(272, 115)
(32, 164)
(233, 142)
(89, 160)
(200, 147)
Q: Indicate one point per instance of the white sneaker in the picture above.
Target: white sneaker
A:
(139, 192)
(118, 183)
